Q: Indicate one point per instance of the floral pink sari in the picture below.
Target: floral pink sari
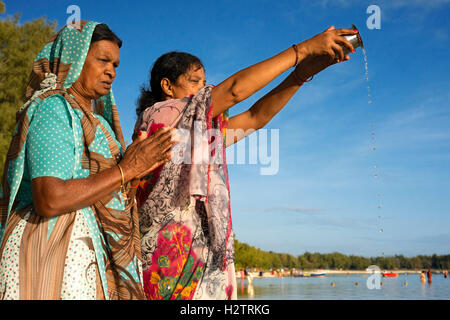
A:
(184, 206)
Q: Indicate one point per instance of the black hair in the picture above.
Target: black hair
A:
(103, 32)
(170, 65)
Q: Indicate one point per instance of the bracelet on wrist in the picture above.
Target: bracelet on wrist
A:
(296, 54)
(122, 186)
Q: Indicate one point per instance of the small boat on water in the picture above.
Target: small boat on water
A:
(390, 275)
(310, 275)
(318, 275)
(302, 275)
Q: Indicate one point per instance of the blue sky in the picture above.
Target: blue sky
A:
(324, 197)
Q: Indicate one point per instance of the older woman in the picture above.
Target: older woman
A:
(184, 206)
(68, 224)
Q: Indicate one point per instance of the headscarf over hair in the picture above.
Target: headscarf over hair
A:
(115, 233)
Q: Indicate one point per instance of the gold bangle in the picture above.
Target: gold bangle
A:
(296, 54)
(123, 179)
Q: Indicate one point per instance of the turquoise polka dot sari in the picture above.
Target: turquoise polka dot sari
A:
(83, 143)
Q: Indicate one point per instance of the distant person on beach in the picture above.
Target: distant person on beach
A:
(249, 277)
(185, 221)
(445, 274)
(422, 276)
(429, 275)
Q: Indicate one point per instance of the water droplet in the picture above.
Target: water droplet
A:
(369, 101)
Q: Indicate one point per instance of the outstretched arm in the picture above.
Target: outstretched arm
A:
(262, 111)
(246, 82)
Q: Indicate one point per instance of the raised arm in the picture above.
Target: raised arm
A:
(323, 47)
(262, 111)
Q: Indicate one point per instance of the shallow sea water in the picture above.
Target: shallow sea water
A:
(345, 288)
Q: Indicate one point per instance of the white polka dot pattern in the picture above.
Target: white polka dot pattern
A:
(79, 281)
(9, 265)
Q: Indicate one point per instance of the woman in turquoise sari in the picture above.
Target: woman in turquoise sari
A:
(68, 218)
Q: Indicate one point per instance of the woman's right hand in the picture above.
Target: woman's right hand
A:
(327, 43)
(146, 154)
(322, 51)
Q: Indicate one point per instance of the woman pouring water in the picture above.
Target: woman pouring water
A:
(185, 222)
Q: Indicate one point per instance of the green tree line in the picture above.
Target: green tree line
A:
(248, 256)
(19, 45)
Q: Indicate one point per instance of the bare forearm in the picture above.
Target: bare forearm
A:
(268, 106)
(262, 111)
(54, 197)
(246, 82)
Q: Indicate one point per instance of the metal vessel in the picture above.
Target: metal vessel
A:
(354, 39)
